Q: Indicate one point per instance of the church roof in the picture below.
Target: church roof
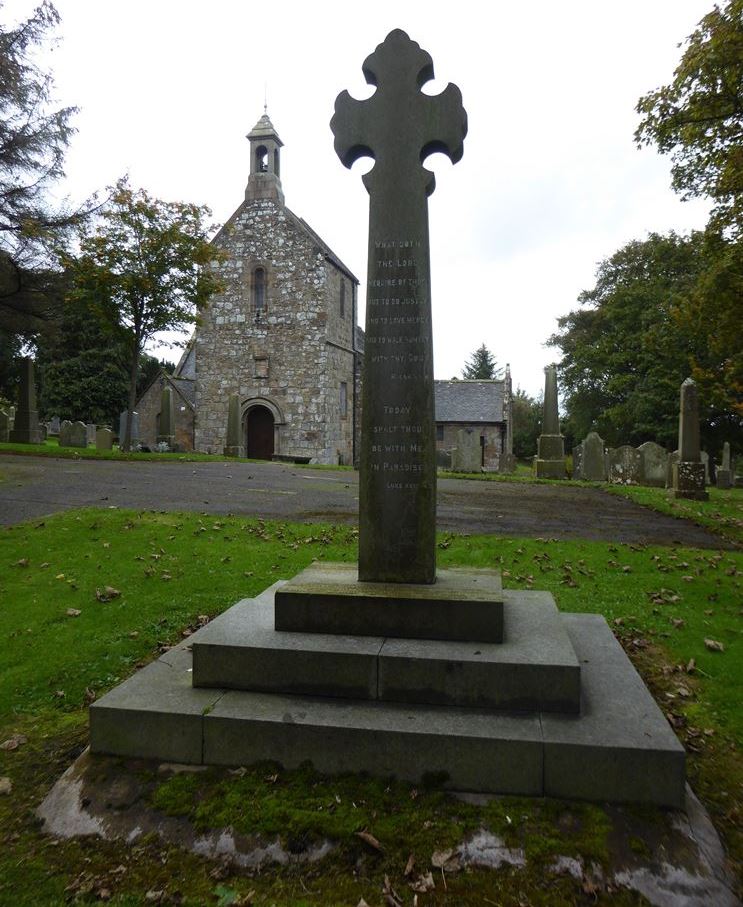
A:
(469, 401)
(264, 128)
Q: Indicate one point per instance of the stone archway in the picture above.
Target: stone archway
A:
(259, 427)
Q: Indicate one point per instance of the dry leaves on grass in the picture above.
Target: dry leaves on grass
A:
(14, 742)
(6, 786)
(107, 594)
(73, 612)
(369, 839)
(714, 646)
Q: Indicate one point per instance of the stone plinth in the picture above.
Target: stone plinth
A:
(688, 481)
(550, 460)
(460, 605)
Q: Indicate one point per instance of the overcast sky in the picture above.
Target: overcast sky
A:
(550, 182)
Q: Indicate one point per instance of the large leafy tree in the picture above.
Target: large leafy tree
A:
(145, 265)
(527, 423)
(698, 117)
(481, 365)
(34, 135)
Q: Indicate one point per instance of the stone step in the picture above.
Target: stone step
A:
(620, 747)
(328, 598)
(534, 669)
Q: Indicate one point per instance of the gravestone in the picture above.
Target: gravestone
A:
(234, 448)
(671, 461)
(398, 126)
(724, 472)
(688, 472)
(166, 420)
(54, 424)
(104, 439)
(405, 678)
(624, 465)
(4, 426)
(467, 455)
(64, 433)
(704, 459)
(90, 429)
(654, 460)
(134, 428)
(578, 461)
(78, 435)
(25, 428)
(593, 464)
(43, 431)
(550, 460)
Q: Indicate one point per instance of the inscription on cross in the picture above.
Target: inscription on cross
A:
(398, 127)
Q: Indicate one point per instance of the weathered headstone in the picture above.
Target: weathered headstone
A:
(233, 447)
(578, 461)
(134, 428)
(704, 459)
(671, 461)
(624, 464)
(467, 455)
(688, 473)
(54, 424)
(78, 435)
(724, 472)
(104, 439)
(593, 465)
(550, 460)
(166, 420)
(26, 424)
(654, 460)
(398, 126)
(64, 433)
(90, 429)
(4, 426)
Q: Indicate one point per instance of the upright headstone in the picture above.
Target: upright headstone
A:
(64, 433)
(578, 461)
(166, 424)
(704, 459)
(233, 447)
(90, 429)
(104, 439)
(78, 435)
(593, 465)
(4, 426)
(26, 424)
(724, 472)
(134, 429)
(550, 461)
(624, 464)
(398, 126)
(54, 424)
(654, 459)
(688, 473)
(467, 455)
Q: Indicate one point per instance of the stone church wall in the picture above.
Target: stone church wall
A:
(494, 439)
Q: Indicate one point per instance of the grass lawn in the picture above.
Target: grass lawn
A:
(87, 596)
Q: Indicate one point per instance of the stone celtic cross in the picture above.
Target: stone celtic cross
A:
(398, 127)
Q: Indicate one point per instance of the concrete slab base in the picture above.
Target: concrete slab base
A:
(619, 748)
(329, 598)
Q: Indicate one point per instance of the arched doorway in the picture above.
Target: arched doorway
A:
(260, 431)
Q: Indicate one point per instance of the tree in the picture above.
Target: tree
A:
(698, 118)
(481, 365)
(527, 422)
(145, 265)
(33, 140)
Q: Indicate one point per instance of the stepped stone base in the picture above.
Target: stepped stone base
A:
(549, 469)
(329, 598)
(619, 747)
(689, 481)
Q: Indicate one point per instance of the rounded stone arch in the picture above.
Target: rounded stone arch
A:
(264, 414)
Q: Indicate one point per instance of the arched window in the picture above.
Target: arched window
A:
(261, 159)
(259, 291)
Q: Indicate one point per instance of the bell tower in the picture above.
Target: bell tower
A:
(265, 160)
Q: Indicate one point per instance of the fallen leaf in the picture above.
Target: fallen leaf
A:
(73, 612)
(688, 579)
(691, 667)
(59, 576)
(369, 839)
(423, 883)
(391, 897)
(409, 866)
(678, 622)
(23, 562)
(714, 646)
(6, 786)
(107, 594)
(14, 742)
(45, 564)
(440, 857)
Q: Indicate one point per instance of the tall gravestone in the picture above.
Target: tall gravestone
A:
(550, 461)
(104, 439)
(724, 473)
(593, 462)
(134, 428)
(398, 126)
(64, 433)
(4, 426)
(166, 424)
(26, 425)
(624, 465)
(688, 472)
(234, 448)
(653, 464)
(78, 435)
(467, 455)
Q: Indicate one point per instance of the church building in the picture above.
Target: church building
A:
(282, 334)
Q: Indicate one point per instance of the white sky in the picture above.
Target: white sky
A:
(550, 182)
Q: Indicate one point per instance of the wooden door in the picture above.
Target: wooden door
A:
(260, 433)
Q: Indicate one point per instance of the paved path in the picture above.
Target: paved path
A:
(32, 487)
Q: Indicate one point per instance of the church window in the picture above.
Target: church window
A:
(344, 400)
(261, 159)
(259, 291)
(343, 298)
(439, 431)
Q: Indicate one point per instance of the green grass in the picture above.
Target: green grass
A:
(173, 569)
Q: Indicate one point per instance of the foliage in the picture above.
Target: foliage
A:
(527, 423)
(481, 365)
(145, 264)
(698, 118)
(33, 140)
(149, 368)
(638, 336)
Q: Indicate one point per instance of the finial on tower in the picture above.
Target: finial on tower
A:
(264, 180)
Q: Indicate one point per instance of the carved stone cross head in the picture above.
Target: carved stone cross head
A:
(399, 126)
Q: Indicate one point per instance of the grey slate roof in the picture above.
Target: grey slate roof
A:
(469, 401)
(186, 387)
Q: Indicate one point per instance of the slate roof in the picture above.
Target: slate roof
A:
(469, 401)
(186, 387)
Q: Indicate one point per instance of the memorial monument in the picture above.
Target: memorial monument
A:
(26, 426)
(550, 460)
(688, 479)
(395, 667)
